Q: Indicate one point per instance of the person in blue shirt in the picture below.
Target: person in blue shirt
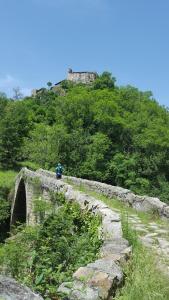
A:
(59, 171)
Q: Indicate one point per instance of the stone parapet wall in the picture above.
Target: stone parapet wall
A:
(100, 279)
(140, 203)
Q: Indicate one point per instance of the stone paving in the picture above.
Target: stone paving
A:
(153, 235)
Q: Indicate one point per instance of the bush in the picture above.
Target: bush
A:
(46, 255)
(6, 183)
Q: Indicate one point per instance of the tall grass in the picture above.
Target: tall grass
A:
(143, 279)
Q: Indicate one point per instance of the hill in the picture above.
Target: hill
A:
(118, 135)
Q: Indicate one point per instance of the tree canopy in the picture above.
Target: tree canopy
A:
(119, 135)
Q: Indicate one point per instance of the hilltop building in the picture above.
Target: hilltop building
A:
(76, 77)
(81, 77)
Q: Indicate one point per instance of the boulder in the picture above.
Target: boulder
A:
(10, 289)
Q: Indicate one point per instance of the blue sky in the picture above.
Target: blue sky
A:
(41, 39)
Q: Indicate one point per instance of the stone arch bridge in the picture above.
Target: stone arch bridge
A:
(105, 271)
(30, 183)
(105, 274)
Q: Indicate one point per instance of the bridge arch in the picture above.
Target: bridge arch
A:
(22, 208)
(19, 209)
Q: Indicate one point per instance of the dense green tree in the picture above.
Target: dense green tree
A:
(119, 135)
(97, 156)
(105, 80)
(14, 126)
(3, 104)
(46, 145)
(49, 84)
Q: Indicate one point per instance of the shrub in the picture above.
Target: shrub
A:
(46, 255)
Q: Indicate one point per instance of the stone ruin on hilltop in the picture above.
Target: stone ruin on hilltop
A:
(84, 77)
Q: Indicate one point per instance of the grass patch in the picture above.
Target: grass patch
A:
(143, 280)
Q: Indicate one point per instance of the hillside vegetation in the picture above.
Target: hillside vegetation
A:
(6, 192)
(118, 135)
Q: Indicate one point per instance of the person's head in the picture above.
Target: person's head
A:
(59, 164)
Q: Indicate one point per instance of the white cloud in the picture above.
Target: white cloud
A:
(8, 82)
(26, 91)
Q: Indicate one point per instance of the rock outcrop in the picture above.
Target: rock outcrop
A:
(10, 289)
